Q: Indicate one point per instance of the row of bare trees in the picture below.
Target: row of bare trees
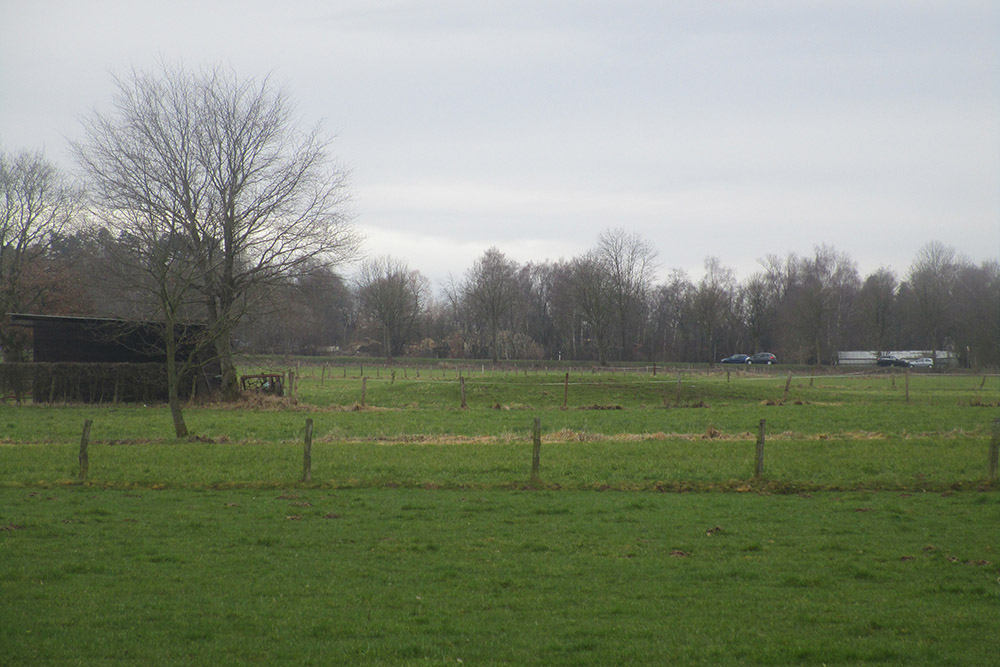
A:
(605, 305)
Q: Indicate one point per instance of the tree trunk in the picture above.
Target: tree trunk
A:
(173, 399)
(230, 386)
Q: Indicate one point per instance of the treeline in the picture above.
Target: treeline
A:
(607, 306)
(604, 306)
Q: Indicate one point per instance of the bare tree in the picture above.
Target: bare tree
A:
(150, 262)
(535, 330)
(822, 302)
(36, 206)
(713, 302)
(758, 310)
(671, 305)
(977, 314)
(592, 296)
(562, 310)
(877, 309)
(629, 261)
(932, 281)
(489, 289)
(392, 297)
(256, 199)
(309, 314)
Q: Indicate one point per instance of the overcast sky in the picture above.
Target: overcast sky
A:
(710, 127)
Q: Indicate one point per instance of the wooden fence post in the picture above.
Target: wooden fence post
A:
(677, 400)
(566, 392)
(307, 452)
(364, 390)
(84, 441)
(788, 386)
(536, 450)
(759, 469)
(994, 450)
(461, 381)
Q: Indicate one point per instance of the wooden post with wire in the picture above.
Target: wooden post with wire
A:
(994, 450)
(84, 458)
(759, 468)
(536, 451)
(307, 452)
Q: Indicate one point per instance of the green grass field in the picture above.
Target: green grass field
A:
(871, 538)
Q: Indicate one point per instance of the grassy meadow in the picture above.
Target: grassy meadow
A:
(871, 537)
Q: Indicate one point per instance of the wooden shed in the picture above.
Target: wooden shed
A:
(95, 359)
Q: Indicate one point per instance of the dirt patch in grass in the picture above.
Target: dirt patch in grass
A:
(980, 403)
(569, 435)
(267, 403)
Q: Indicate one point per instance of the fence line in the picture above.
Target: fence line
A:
(757, 475)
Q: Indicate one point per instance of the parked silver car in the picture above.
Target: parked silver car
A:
(925, 362)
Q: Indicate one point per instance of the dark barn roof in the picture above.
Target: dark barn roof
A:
(58, 338)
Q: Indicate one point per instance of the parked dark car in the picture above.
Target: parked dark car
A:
(762, 358)
(889, 360)
(736, 359)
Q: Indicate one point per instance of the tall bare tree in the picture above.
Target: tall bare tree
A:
(150, 262)
(714, 300)
(758, 307)
(37, 204)
(392, 297)
(932, 281)
(877, 309)
(977, 314)
(490, 290)
(671, 305)
(592, 296)
(256, 199)
(822, 302)
(629, 261)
